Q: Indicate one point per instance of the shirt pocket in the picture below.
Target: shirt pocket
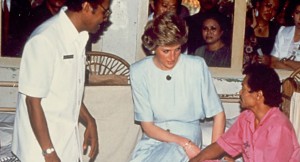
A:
(68, 62)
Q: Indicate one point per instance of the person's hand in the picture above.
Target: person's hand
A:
(264, 60)
(52, 157)
(228, 158)
(191, 149)
(254, 21)
(91, 138)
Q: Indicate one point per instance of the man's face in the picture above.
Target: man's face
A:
(97, 16)
(162, 6)
(248, 99)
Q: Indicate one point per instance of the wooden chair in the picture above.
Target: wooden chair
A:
(289, 86)
(106, 69)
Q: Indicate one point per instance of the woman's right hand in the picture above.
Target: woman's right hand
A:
(191, 149)
(254, 21)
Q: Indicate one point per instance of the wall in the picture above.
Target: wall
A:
(123, 39)
(118, 39)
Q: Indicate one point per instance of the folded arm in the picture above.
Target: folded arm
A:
(284, 64)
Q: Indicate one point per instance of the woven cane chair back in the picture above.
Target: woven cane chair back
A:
(106, 68)
(289, 86)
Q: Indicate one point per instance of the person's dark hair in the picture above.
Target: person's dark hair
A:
(224, 23)
(291, 8)
(76, 5)
(262, 77)
(166, 29)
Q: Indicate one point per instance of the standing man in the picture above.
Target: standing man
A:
(51, 85)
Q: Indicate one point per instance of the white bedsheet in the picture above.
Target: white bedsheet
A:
(6, 130)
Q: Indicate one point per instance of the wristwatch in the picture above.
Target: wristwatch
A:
(48, 151)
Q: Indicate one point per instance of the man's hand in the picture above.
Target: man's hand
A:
(91, 138)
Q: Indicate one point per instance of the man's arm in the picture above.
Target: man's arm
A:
(39, 126)
(90, 134)
(211, 152)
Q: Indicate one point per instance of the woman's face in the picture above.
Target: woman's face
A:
(55, 5)
(163, 6)
(296, 16)
(166, 57)
(211, 31)
(267, 9)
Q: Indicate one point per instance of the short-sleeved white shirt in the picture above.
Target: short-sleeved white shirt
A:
(52, 68)
(284, 45)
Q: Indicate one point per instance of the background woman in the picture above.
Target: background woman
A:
(261, 30)
(171, 93)
(215, 52)
(286, 51)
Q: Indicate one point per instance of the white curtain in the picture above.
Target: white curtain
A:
(295, 113)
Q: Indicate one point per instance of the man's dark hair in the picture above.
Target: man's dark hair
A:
(76, 5)
(262, 77)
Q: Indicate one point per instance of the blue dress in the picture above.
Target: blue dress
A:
(175, 100)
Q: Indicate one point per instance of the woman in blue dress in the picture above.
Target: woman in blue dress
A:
(171, 93)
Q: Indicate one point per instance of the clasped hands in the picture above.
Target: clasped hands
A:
(191, 149)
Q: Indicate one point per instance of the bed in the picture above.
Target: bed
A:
(112, 108)
(6, 130)
(8, 93)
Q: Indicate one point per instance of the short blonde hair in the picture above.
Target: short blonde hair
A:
(166, 29)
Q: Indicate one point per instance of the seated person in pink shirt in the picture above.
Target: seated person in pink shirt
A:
(262, 133)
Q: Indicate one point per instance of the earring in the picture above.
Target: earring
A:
(152, 52)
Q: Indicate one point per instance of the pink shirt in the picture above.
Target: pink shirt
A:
(274, 140)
